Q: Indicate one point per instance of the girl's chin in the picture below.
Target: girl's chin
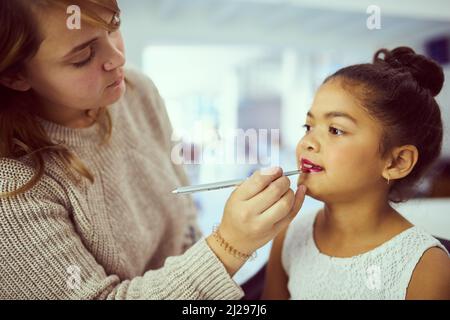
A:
(309, 177)
(315, 194)
(313, 186)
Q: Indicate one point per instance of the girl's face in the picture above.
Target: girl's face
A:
(76, 69)
(344, 141)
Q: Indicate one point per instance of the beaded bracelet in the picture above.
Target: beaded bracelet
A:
(230, 249)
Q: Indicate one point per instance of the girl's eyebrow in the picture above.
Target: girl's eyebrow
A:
(80, 47)
(335, 114)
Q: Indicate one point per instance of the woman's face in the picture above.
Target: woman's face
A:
(76, 69)
(342, 139)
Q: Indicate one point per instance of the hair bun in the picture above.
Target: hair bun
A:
(425, 71)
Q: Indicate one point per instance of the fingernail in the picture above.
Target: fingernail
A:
(269, 171)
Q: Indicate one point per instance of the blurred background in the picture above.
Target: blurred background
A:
(255, 64)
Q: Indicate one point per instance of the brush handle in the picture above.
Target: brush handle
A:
(220, 185)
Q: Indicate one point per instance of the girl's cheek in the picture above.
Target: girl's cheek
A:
(343, 157)
(355, 159)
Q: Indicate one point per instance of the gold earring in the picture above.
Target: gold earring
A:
(389, 179)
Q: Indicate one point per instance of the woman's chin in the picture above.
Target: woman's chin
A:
(114, 95)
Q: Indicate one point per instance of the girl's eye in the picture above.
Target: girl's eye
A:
(306, 127)
(336, 132)
(85, 62)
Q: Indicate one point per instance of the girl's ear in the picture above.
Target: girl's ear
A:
(16, 82)
(401, 163)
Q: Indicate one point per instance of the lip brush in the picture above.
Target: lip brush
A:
(220, 185)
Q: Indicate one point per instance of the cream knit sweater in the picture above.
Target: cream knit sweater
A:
(124, 237)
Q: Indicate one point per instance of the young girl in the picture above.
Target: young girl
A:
(86, 209)
(371, 133)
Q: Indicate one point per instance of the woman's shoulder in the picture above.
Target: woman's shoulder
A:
(144, 96)
(146, 107)
(139, 84)
(134, 74)
(16, 173)
(18, 170)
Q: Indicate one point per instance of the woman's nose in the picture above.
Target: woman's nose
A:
(116, 60)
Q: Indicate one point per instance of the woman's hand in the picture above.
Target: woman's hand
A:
(255, 213)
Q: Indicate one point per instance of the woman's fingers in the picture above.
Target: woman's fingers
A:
(269, 196)
(257, 182)
(285, 209)
(257, 208)
(299, 199)
(278, 210)
(298, 202)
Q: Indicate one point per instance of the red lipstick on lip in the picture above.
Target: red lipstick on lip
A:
(308, 166)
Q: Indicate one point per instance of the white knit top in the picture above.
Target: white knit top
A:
(381, 273)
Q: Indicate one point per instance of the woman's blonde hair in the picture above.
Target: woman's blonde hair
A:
(21, 134)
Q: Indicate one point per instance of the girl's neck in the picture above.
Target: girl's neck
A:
(349, 229)
(365, 218)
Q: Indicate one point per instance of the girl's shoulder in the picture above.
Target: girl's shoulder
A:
(431, 276)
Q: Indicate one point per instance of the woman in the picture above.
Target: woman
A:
(85, 173)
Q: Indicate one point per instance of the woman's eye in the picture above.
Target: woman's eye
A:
(336, 132)
(85, 62)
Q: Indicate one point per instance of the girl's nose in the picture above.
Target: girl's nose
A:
(309, 144)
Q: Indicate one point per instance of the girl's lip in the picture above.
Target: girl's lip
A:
(308, 170)
(309, 166)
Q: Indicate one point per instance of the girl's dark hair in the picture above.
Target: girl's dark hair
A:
(398, 89)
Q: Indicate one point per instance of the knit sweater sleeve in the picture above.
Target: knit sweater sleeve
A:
(42, 256)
